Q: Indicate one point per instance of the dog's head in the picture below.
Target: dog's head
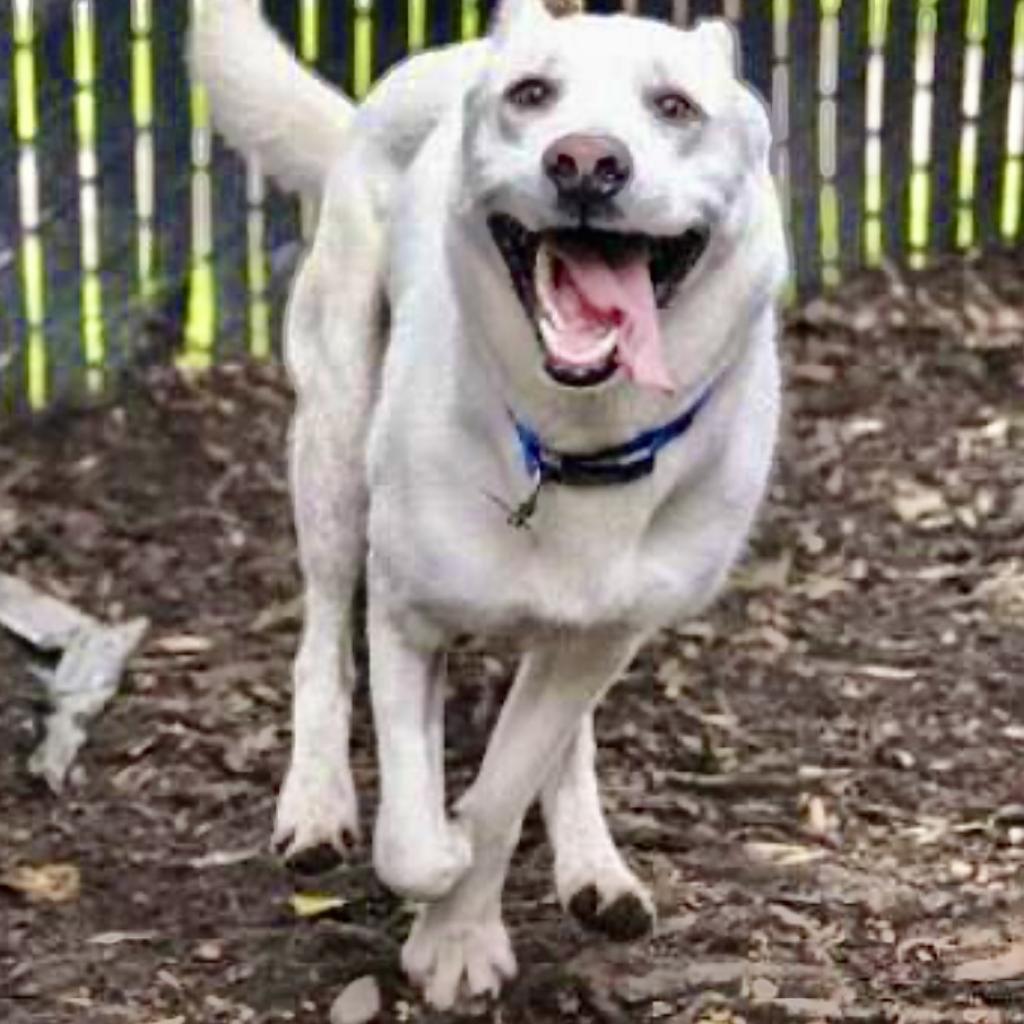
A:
(604, 160)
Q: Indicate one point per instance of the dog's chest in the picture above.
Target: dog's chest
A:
(586, 557)
(445, 474)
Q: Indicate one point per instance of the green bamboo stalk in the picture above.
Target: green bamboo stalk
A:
(1011, 220)
(362, 48)
(33, 266)
(201, 316)
(145, 158)
(86, 116)
(828, 76)
(878, 11)
(309, 51)
(921, 133)
(470, 24)
(781, 84)
(967, 170)
(257, 268)
(417, 21)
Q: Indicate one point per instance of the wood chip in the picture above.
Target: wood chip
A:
(783, 855)
(47, 883)
(182, 644)
(889, 673)
(209, 952)
(225, 858)
(1008, 964)
(276, 615)
(914, 502)
(120, 938)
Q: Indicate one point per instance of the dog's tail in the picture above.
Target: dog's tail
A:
(263, 101)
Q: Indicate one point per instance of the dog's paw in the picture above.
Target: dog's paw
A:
(419, 863)
(454, 960)
(317, 818)
(609, 899)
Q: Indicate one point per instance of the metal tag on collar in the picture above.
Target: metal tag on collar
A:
(520, 516)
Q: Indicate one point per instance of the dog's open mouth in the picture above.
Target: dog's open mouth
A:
(594, 296)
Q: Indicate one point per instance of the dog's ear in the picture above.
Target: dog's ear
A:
(722, 35)
(517, 16)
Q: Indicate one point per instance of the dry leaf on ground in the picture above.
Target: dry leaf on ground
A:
(47, 883)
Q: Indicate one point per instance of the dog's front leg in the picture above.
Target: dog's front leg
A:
(417, 851)
(459, 943)
(593, 881)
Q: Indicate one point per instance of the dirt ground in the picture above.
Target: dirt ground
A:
(822, 779)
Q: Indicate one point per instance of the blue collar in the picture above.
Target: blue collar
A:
(620, 464)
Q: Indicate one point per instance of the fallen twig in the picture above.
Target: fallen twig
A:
(747, 783)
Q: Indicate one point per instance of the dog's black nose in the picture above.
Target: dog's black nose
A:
(588, 169)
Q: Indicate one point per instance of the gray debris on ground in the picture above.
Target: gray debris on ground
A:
(93, 657)
(45, 622)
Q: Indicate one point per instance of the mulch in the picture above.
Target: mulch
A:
(821, 778)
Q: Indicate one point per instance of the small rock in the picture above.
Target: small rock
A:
(1010, 815)
(897, 757)
(960, 870)
(358, 1003)
(209, 952)
(817, 816)
(763, 990)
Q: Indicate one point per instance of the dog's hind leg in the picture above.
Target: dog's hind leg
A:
(459, 943)
(317, 818)
(592, 880)
(333, 349)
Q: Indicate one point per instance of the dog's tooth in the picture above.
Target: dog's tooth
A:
(547, 331)
(585, 361)
(611, 341)
(544, 284)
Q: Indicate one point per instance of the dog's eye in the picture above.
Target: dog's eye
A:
(676, 108)
(531, 93)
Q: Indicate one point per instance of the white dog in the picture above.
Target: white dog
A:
(534, 352)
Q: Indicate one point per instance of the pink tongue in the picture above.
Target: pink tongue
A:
(592, 295)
